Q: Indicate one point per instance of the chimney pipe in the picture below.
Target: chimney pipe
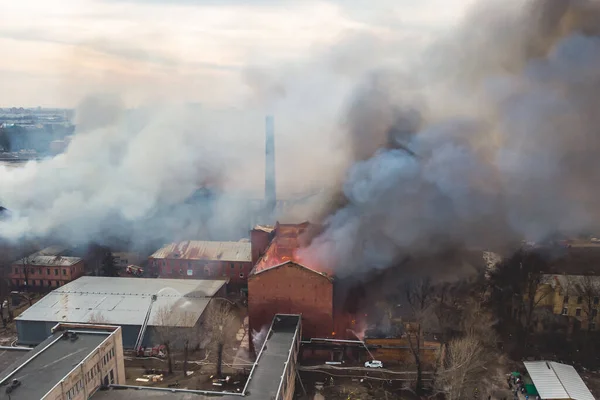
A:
(270, 193)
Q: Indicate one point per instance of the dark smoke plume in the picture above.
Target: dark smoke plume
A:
(494, 140)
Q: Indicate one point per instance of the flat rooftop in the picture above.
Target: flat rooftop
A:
(123, 301)
(273, 357)
(48, 364)
(8, 357)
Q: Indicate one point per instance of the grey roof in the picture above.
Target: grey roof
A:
(50, 256)
(9, 356)
(557, 381)
(123, 301)
(54, 359)
(574, 284)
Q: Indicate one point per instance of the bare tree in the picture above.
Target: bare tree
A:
(221, 326)
(166, 330)
(587, 289)
(176, 328)
(419, 295)
(462, 369)
(25, 270)
(97, 318)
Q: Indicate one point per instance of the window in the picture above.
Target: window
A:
(578, 312)
(594, 312)
(180, 271)
(32, 271)
(232, 265)
(593, 326)
(48, 271)
(596, 300)
(241, 266)
(579, 300)
(40, 271)
(566, 300)
(64, 271)
(55, 271)
(16, 270)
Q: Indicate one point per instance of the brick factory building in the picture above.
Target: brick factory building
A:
(204, 260)
(280, 283)
(45, 269)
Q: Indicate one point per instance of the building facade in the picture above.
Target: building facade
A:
(45, 269)
(576, 297)
(204, 260)
(292, 288)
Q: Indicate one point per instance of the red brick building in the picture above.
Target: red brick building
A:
(280, 283)
(45, 269)
(204, 260)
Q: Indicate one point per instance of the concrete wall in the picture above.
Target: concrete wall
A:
(292, 289)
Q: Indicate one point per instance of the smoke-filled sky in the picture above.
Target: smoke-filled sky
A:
(235, 61)
(55, 53)
(493, 138)
(448, 123)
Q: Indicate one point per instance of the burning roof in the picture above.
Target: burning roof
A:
(283, 248)
(206, 250)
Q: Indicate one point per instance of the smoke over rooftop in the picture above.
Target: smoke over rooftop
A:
(493, 138)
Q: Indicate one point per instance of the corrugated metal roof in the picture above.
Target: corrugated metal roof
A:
(48, 261)
(206, 250)
(557, 381)
(123, 301)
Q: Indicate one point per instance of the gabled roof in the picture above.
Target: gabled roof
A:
(557, 381)
(288, 264)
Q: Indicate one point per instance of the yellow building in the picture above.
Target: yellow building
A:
(576, 297)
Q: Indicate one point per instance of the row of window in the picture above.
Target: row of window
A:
(565, 311)
(74, 391)
(168, 271)
(596, 300)
(37, 282)
(40, 271)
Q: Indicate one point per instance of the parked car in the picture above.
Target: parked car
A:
(374, 364)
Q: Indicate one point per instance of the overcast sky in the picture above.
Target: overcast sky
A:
(55, 52)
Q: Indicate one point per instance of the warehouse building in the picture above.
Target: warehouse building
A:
(135, 304)
(71, 364)
(197, 259)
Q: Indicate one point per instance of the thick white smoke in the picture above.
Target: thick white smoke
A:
(492, 147)
(133, 174)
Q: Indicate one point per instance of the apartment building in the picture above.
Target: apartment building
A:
(72, 364)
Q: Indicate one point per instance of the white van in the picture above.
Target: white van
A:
(373, 364)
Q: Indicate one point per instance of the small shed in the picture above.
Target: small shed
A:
(556, 381)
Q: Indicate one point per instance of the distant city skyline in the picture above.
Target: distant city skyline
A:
(55, 53)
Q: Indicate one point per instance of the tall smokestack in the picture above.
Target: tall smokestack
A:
(270, 195)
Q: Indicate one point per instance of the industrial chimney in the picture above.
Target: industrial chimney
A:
(270, 195)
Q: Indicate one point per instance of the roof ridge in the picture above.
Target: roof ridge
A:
(551, 365)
